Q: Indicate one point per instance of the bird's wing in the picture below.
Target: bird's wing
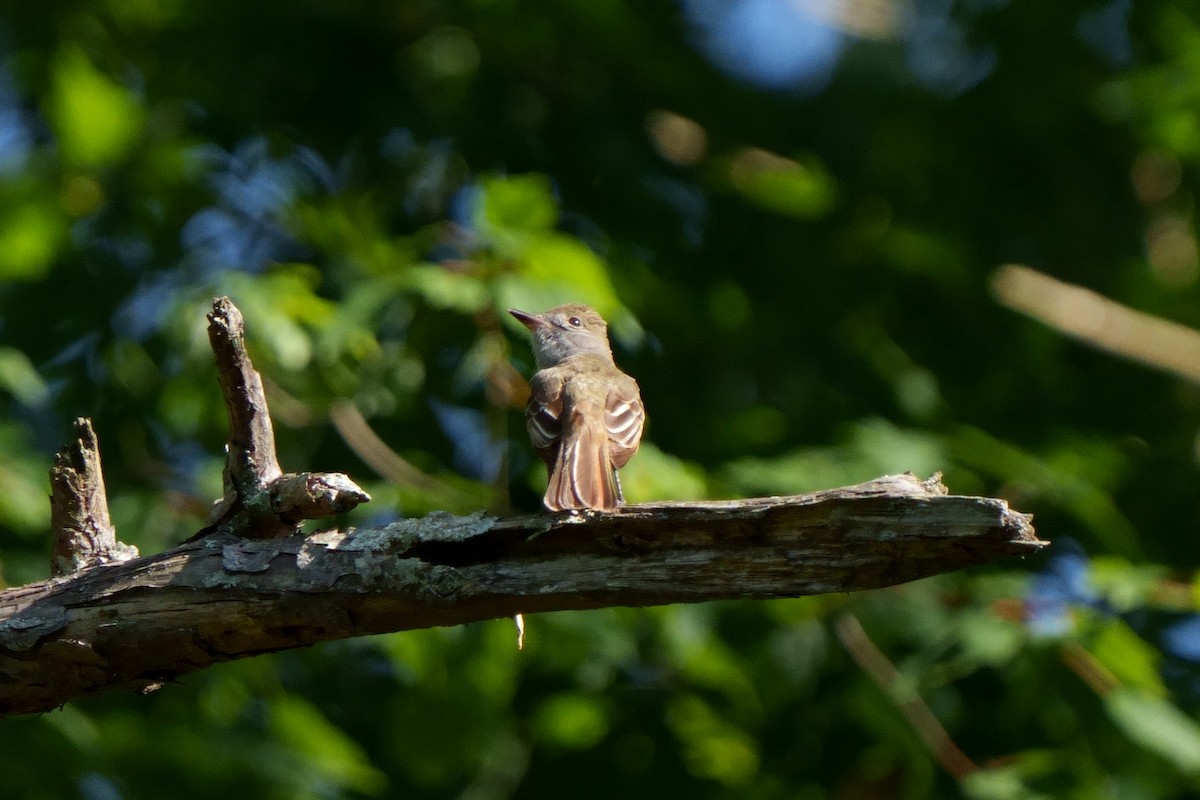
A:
(543, 414)
(624, 417)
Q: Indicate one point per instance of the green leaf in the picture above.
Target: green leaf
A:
(19, 378)
(712, 748)
(32, 231)
(892, 449)
(1126, 585)
(1128, 656)
(655, 475)
(799, 471)
(554, 269)
(875, 446)
(999, 783)
(793, 188)
(325, 749)
(445, 289)
(282, 310)
(575, 721)
(514, 208)
(1052, 477)
(705, 660)
(23, 506)
(988, 640)
(919, 252)
(1158, 726)
(96, 120)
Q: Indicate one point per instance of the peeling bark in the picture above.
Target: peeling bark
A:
(153, 619)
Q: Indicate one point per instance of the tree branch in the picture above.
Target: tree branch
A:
(260, 501)
(250, 455)
(153, 619)
(83, 531)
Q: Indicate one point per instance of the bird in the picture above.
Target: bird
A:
(585, 416)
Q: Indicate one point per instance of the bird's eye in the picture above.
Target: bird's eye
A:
(575, 322)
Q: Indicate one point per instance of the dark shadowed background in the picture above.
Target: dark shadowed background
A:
(834, 238)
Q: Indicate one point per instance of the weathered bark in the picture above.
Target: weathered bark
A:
(149, 620)
(250, 460)
(79, 522)
(260, 501)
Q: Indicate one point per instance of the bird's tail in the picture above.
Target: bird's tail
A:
(582, 475)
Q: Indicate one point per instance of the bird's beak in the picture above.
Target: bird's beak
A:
(531, 321)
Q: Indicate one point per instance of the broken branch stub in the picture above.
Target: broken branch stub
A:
(250, 460)
(83, 531)
(260, 501)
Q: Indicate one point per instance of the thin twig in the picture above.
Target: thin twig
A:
(881, 670)
(360, 437)
(1089, 669)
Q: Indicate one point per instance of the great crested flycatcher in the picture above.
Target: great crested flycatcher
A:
(585, 416)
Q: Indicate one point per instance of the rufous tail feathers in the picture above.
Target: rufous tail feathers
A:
(582, 476)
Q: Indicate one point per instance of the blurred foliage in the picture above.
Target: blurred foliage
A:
(789, 212)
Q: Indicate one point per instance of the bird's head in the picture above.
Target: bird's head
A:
(565, 331)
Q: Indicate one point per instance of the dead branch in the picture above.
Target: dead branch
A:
(260, 501)
(83, 532)
(153, 619)
(250, 455)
